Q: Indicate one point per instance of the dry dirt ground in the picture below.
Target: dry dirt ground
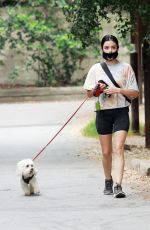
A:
(140, 184)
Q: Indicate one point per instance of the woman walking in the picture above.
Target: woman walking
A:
(112, 118)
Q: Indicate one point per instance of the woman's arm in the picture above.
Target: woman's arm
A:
(131, 93)
(90, 93)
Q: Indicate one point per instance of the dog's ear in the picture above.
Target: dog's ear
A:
(20, 167)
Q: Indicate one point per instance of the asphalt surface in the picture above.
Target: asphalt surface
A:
(71, 184)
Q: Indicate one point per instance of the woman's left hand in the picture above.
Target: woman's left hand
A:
(111, 90)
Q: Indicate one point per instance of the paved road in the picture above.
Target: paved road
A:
(71, 184)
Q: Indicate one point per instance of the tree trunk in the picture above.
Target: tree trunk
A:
(135, 102)
(146, 69)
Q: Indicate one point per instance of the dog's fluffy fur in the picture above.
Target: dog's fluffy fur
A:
(27, 172)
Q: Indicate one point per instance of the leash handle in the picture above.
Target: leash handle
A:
(59, 130)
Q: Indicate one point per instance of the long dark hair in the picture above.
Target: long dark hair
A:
(109, 37)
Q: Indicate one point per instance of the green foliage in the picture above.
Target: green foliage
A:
(14, 74)
(71, 51)
(34, 30)
(90, 130)
(86, 17)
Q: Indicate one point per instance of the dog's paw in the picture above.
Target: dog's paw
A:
(36, 190)
(27, 194)
(35, 194)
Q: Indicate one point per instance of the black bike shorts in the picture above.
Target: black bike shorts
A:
(112, 120)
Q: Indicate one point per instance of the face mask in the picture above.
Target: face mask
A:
(110, 56)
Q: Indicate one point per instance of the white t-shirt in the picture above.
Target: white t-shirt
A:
(122, 73)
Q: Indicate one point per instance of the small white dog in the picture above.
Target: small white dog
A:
(27, 172)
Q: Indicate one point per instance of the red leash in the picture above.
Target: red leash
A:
(59, 130)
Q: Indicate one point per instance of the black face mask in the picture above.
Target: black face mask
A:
(110, 56)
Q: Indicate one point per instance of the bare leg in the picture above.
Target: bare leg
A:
(119, 140)
(106, 144)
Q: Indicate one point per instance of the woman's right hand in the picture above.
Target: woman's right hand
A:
(97, 90)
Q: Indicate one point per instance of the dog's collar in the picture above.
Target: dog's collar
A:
(27, 180)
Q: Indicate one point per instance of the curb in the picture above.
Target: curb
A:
(139, 158)
(41, 94)
(141, 166)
